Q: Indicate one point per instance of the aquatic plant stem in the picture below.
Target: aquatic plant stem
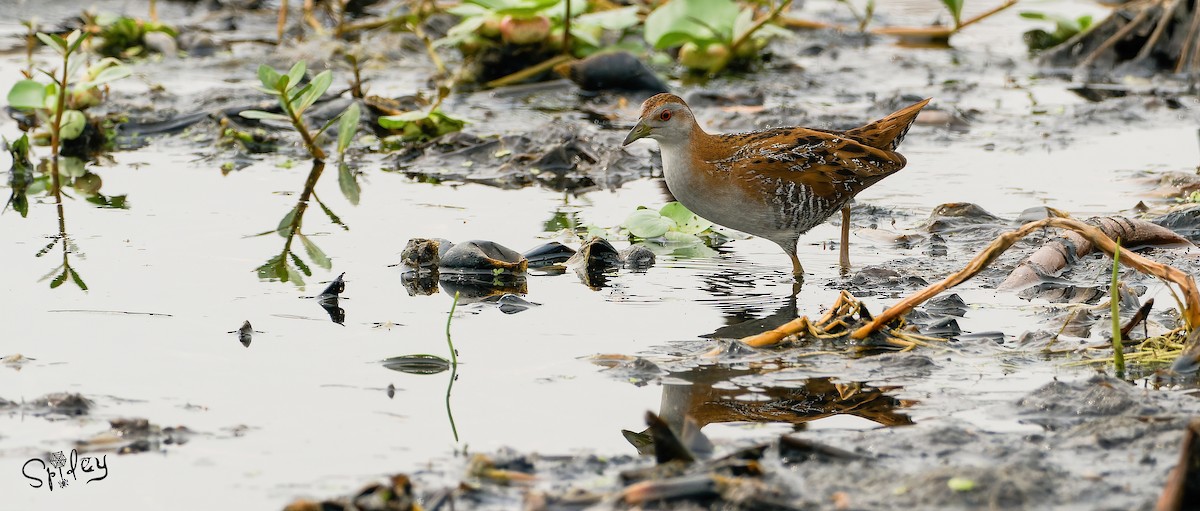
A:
(279, 26)
(298, 123)
(453, 367)
(56, 138)
(1114, 295)
(528, 72)
(453, 353)
(302, 205)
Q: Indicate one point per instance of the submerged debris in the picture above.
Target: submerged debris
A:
(618, 70)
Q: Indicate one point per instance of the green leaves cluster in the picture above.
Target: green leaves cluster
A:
(295, 99)
(673, 221)
(706, 31)
(123, 36)
(483, 23)
(955, 8)
(83, 92)
(1064, 29)
(418, 126)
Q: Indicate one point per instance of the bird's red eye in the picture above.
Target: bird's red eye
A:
(665, 115)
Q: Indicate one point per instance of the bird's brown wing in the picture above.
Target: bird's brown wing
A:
(830, 162)
(888, 132)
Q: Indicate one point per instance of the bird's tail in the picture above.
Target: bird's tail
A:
(888, 132)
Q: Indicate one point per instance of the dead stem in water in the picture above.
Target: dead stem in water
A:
(840, 321)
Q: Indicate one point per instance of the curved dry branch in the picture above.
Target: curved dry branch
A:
(1055, 254)
(1191, 296)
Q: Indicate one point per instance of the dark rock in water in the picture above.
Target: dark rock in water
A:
(474, 287)
(618, 70)
(62, 403)
(512, 304)
(336, 313)
(245, 333)
(595, 256)
(981, 337)
(956, 215)
(1037, 213)
(950, 305)
(548, 254)
(481, 256)
(422, 253)
(557, 155)
(636, 257)
(1056, 292)
(942, 327)
(936, 246)
(334, 289)
(421, 282)
(1185, 222)
(877, 276)
(1100, 396)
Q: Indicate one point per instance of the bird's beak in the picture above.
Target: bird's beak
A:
(638, 131)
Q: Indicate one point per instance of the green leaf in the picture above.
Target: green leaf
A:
(348, 182)
(58, 281)
(685, 221)
(299, 264)
(318, 257)
(315, 89)
(73, 122)
(285, 224)
(76, 38)
(613, 19)
(272, 269)
(109, 74)
(332, 216)
(269, 77)
(77, 279)
(347, 127)
(960, 484)
(27, 94)
(743, 23)
(259, 114)
(646, 223)
(54, 41)
(679, 21)
(955, 8)
(296, 73)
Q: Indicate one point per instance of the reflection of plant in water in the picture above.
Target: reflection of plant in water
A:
(22, 182)
(49, 103)
(287, 266)
(423, 363)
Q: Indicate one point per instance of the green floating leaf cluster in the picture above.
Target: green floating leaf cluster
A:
(126, 37)
(84, 91)
(672, 222)
(705, 31)
(420, 126)
(1064, 29)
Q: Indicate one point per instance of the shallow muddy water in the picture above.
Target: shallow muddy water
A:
(309, 409)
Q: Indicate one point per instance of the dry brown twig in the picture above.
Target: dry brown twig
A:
(832, 324)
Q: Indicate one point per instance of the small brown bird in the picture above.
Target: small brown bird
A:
(775, 183)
